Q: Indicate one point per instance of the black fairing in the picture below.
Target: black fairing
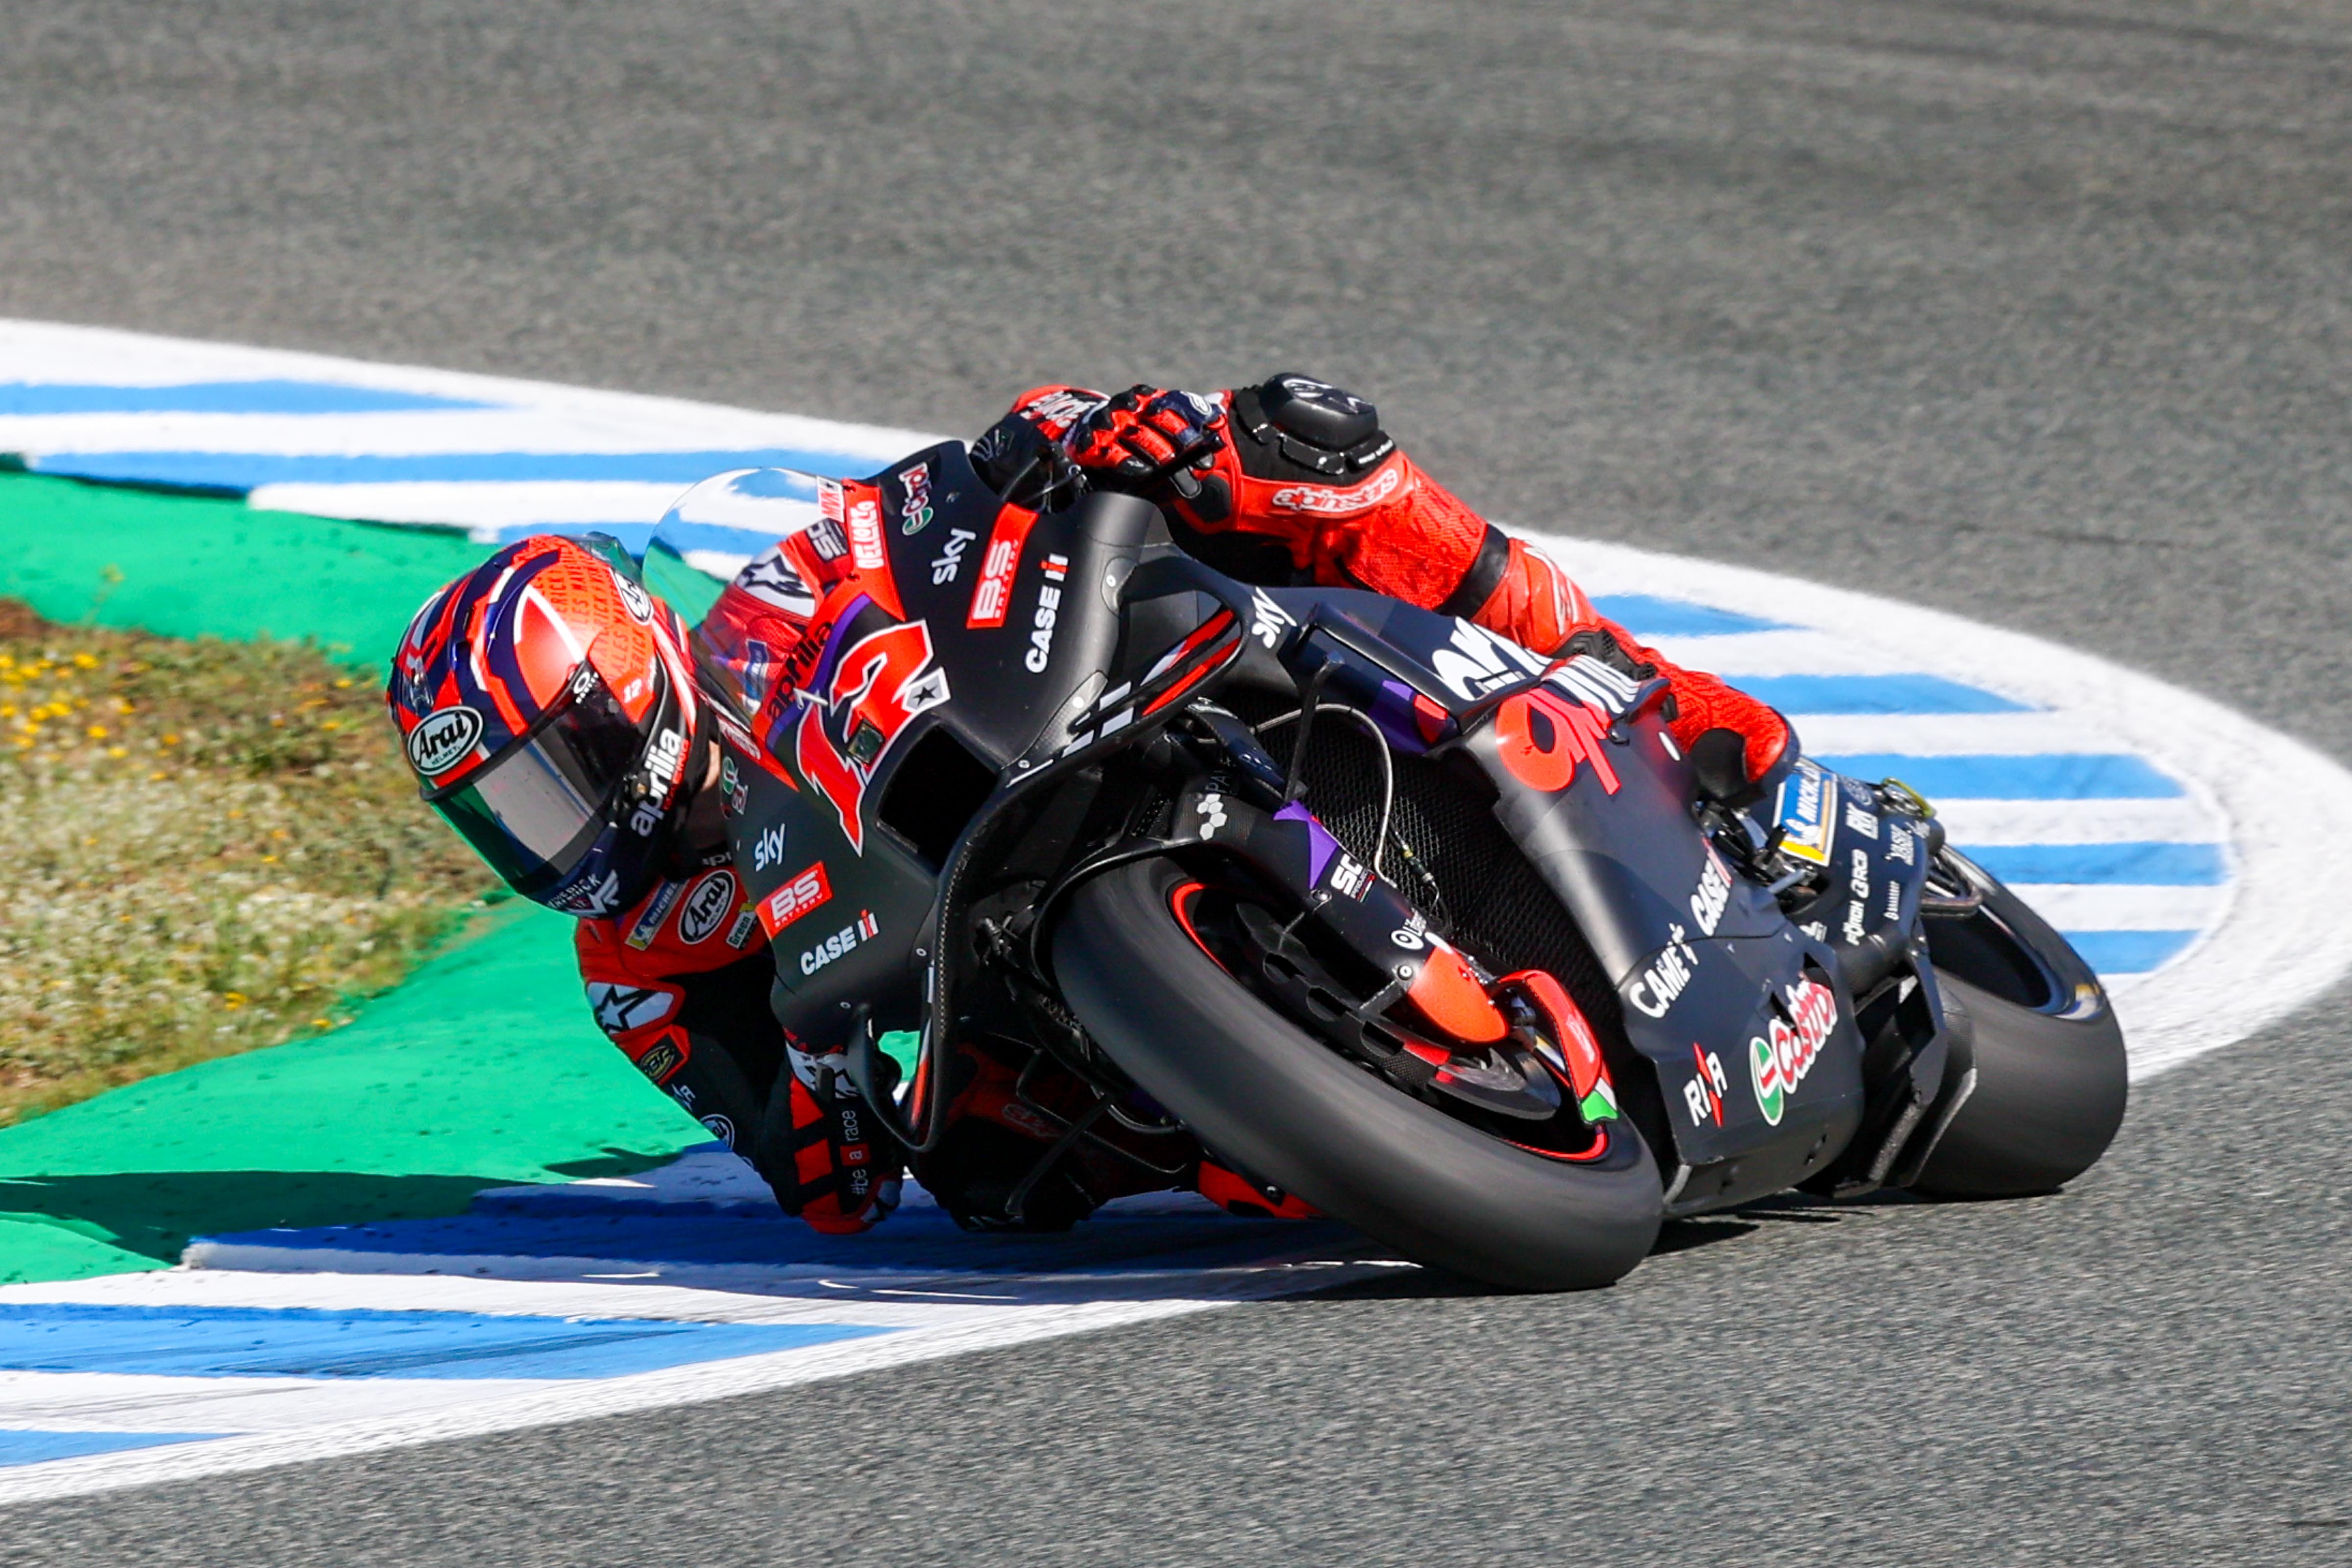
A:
(1703, 962)
(1003, 689)
(1626, 864)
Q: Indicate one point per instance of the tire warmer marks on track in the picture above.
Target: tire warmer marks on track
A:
(2160, 830)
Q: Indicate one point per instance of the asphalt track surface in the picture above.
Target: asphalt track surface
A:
(2037, 312)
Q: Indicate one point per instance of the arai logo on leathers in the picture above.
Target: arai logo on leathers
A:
(707, 906)
(1777, 1066)
(446, 737)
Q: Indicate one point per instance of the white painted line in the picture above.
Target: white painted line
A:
(113, 1402)
(588, 1400)
(98, 356)
(2003, 822)
(812, 1301)
(720, 1277)
(2119, 907)
(420, 432)
(1802, 651)
(1941, 734)
(485, 507)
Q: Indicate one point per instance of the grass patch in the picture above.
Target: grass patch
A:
(212, 846)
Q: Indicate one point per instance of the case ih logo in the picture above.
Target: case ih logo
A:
(1049, 600)
(885, 678)
(794, 899)
(841, 943)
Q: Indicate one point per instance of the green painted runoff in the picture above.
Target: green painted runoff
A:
(484, 1070)
(193, 565)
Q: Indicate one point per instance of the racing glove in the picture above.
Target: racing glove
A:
(1146, 441)
(830, 1160)
(1735, 743)
(1145, 438)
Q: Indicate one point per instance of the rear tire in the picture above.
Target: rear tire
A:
(1272, 1099)
(2051, 1078)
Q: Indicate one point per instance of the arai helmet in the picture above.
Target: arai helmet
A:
(546, 703)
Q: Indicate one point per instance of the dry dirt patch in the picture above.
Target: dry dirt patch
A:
(209, 847)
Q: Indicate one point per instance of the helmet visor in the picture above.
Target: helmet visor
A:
(539, 807)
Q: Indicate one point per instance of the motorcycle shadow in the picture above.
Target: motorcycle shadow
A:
(1426, 1283)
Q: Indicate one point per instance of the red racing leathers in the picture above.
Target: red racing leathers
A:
(681, 982)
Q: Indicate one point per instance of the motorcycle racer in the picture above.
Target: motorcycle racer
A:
(571, 727)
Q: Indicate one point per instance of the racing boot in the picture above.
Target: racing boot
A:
(1738, 745)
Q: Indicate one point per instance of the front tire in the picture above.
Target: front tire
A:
(2042, 1039)
(1270, 1098)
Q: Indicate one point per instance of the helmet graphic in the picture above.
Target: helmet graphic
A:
(546, 703)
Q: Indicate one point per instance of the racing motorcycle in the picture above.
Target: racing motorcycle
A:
(1442, 937)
